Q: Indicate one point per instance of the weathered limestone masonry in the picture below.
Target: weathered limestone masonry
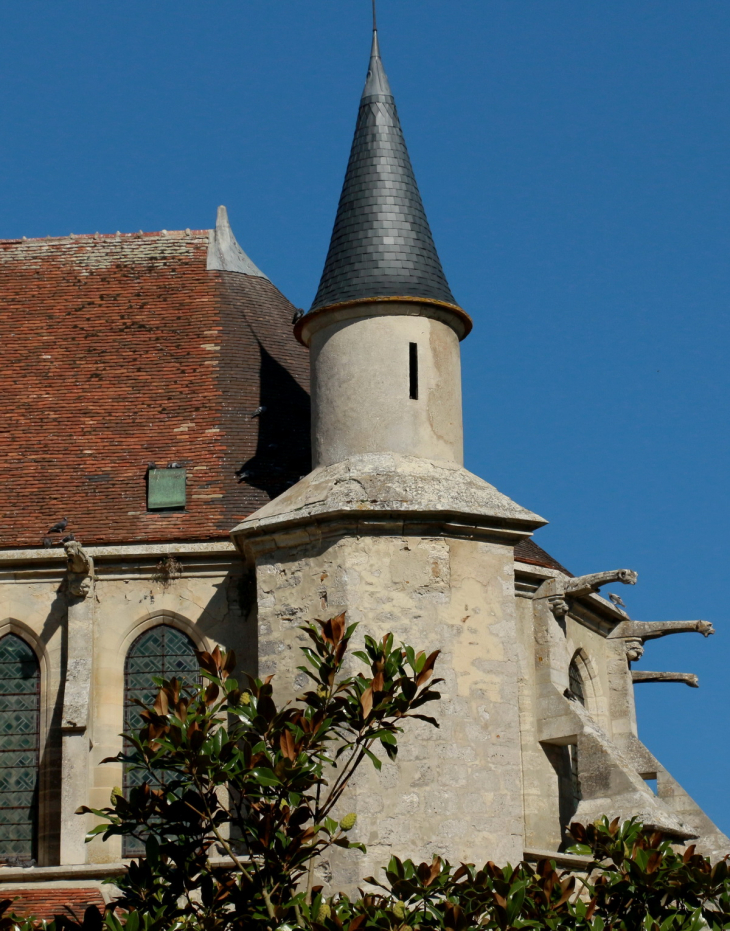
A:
(147, 351)
(75, 714)
(390, 527)
(422, 549)
(538, 717)
(81, 610)
(123, 354)
(454, 791)
(582, 757)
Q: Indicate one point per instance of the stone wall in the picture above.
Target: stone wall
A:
(208, 602)
(547, 766)
(454, 791)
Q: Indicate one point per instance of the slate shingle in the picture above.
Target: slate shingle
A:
(380, 219)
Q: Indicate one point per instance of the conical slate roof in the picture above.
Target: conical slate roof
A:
(381, 243)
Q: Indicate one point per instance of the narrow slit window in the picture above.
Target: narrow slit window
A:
(413, 370)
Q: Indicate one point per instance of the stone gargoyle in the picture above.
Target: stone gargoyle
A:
(635, 633)
(80, 570)
(559, 589)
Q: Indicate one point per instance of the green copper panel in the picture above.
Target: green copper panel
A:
(166, 488)
(19, 743)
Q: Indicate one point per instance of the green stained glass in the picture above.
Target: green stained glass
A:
(161, 652)
(19, 743)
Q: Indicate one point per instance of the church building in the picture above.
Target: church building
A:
(190, 461)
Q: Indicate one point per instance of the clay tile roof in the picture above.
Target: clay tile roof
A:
(121, 350)
(528, 551)
(48, 903)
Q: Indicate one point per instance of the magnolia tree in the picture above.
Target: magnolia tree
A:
(230, 775)
(238, 805)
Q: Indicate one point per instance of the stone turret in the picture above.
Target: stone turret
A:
(384, 328)
(389, 527)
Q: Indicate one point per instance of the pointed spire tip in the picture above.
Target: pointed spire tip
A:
(381, 245)
(377, 80)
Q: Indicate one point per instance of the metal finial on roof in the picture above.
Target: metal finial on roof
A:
(377, 80)
(381, 243)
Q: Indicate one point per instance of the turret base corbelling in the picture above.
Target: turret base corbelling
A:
(378, 494)
(260, 537)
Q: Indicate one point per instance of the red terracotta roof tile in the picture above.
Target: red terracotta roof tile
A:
(117, 351)
(47, 903)
(528, 551)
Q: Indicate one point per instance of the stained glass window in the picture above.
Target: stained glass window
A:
(19, 742)
(162, 651)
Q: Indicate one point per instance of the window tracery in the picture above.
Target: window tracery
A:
(19, 750)
(160, 652)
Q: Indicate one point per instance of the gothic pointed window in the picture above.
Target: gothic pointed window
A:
(579, 681)
(575, 680)
(19, 748)
(161, 652)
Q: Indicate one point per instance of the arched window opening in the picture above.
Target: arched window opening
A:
(575, 680)
(581, 688)
(161, 652)
(20, 709)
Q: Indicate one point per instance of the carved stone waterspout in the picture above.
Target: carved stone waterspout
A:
(650, 630)
(80, 569)
(558, 588)
(689, 678)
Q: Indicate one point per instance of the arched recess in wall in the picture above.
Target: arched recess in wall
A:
(160, 651)
(582, 681)
(584, 686)
(154, 619)
(20, 713)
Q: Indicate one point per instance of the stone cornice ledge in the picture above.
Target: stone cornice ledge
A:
(44, 874)
(261, 538)
(121, 551)
(379, 493)
(73, 872)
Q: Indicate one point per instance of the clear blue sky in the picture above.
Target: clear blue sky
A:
(573, 160)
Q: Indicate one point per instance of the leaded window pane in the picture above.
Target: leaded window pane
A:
(576, 682)
(161, 652)
(19, 747)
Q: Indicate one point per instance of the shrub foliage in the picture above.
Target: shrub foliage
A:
(242, 798)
